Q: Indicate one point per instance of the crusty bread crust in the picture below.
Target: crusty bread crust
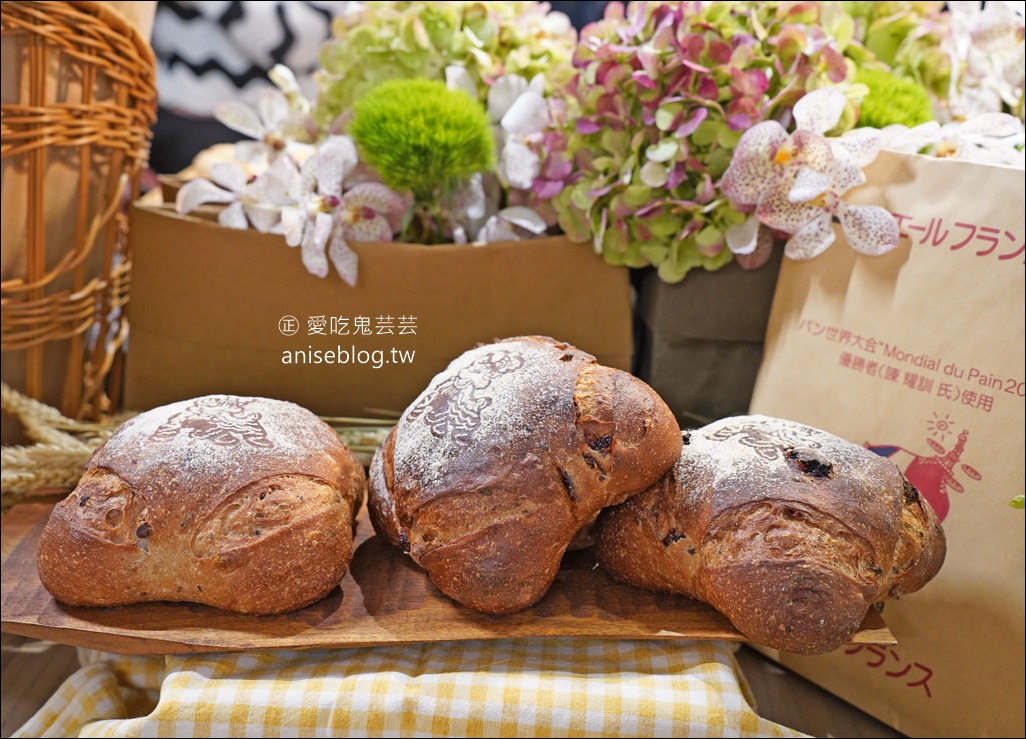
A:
(246, 504)
(791, 532)
(505, 457)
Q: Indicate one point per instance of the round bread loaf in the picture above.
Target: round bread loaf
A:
(789, 531)
(246, 504)
(508, 453)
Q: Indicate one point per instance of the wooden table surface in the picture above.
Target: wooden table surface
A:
(32, 670)
(387, 600)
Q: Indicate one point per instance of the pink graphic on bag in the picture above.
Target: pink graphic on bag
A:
(934, 475)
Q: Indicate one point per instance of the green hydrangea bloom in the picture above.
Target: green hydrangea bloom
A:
(908, 37)
(400, 40)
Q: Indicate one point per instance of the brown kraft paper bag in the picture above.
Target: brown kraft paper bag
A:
(919, 355)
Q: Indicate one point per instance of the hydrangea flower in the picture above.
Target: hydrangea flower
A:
(795, 183)
(382, 41)
(663, 93)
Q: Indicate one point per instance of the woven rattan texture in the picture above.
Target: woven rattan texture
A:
(85, 101)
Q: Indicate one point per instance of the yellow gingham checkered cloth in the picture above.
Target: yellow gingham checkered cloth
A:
(517, 687)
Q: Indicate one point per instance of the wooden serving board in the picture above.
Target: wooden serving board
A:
(386, 599)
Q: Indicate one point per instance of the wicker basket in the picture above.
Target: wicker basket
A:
(79, 97)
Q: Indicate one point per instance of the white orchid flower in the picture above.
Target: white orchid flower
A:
(989, 138)
(228, 184)
(523, 122)
(309, 205)
(285, 80)
(281, 123)
(519, 114)
(512, 224)
(458, 78)
(322, 215)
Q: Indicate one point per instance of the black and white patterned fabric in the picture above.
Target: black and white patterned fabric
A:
(210, 51)
(213, 51)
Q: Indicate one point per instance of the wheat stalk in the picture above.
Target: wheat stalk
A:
(63, 445)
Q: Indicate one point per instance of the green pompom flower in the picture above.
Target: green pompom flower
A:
(420, 136)
(429, 140)
(892, 99)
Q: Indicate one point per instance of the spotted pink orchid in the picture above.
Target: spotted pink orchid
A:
(794, 184)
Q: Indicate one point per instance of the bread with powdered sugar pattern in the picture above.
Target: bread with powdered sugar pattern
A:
(791, 532)
(246, 504)
(507, 454)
